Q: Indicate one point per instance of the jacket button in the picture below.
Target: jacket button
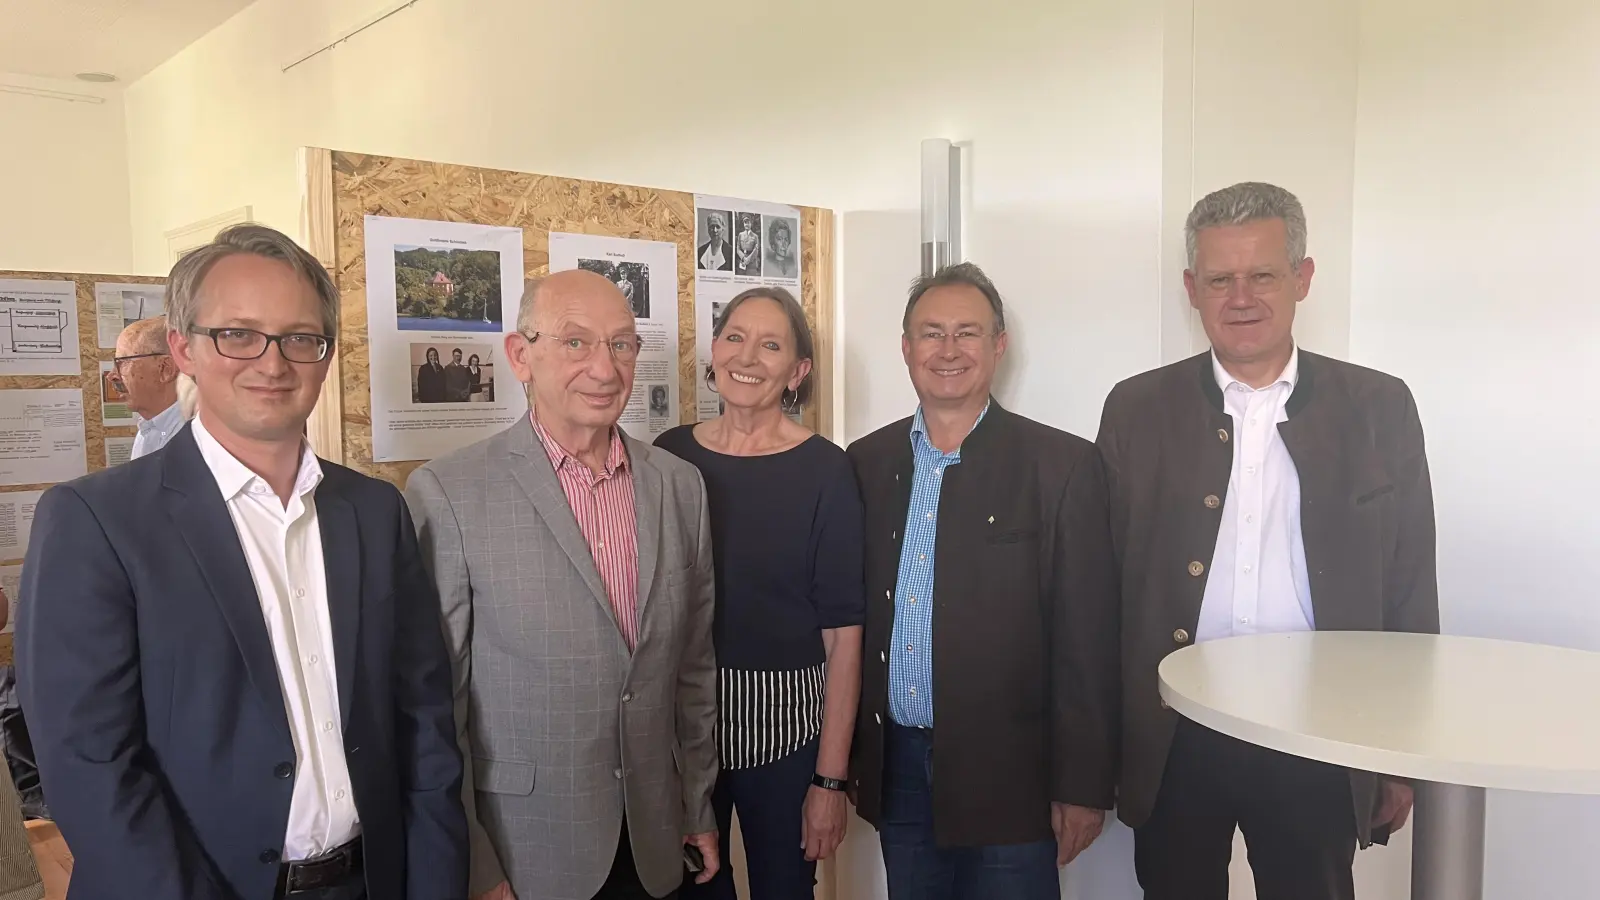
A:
(1212, 502)
(1197, 568)
(268, 856)
(1165, 705)
(1181, 636)
(1222, 435)
(283, 770)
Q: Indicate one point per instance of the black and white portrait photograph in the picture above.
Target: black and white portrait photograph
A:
(716, 313)
(783, 247)
(445, 372)
(631, 278)
(658, 401)
(713, 252)
(747, 244)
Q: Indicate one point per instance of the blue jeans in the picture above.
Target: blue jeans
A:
(920, 870)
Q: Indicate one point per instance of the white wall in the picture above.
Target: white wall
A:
(65, 181)
(1477, 207)
(1060, 104)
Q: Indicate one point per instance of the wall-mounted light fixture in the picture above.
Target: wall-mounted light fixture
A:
(941, 204)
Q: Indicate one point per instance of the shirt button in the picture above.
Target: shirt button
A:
(913, 601)
(299, 592)
(338, 795)
(327, 726)
(908, 648)
(313, 659)
(628, 697)
(930, 515)
(617, 774)
(1244, 620)
(1249, 519)
(1250, 469)
(1212, 502)
(1247, 569)
(1197, 568)
(922, 556)
(912, 691)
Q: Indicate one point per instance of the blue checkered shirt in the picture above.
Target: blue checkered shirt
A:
(911, 651)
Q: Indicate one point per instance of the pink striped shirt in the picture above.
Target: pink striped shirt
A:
(603, 506)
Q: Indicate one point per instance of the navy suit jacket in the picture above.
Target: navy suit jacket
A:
(153, 698)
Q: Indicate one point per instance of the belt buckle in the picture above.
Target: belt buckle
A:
(323, 871)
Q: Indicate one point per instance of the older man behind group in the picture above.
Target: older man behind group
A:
(986, 737)
(574, 565)
(1257, 488)
(149, 378)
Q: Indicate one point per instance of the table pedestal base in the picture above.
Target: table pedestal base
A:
(1447, 848)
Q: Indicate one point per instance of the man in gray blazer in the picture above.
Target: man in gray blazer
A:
(574, 568)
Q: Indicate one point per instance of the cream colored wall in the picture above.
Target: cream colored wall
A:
(1477, 210)
(63, 180)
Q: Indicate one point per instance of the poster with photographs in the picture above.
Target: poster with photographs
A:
(116, 306)
(739, 244)
(114, 409)
(646, 272)
(441, 297)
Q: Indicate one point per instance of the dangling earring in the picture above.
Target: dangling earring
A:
(711, 379)
(790, 400)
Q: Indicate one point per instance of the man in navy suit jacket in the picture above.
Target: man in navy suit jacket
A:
(230, 658)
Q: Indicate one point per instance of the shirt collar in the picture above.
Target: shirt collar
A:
(919, 426)
(233, 476)
(163, 421)
(1289, 376)
(616, 457)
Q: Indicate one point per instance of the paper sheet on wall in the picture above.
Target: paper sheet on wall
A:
(41, 436)
(647, 274)
(118, 450)
(114, 409)
(11, 583)
(16, 522)
(441, 296)
(739, 244)
(116, 306)
(38, 327)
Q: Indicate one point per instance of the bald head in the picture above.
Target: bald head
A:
(147, 373)
(144, 336)
(562, 295)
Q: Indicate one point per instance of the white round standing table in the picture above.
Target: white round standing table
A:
(1455, 714)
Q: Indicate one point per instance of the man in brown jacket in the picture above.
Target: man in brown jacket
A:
(991, 596)
(1257, 488)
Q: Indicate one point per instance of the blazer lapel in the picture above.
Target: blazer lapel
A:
(341, 560)
(196, 507)
(647, 512)
(534, 475)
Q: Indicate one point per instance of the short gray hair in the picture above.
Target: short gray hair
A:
(1249, 201)
(530, 292)
(962, 273)
(183, 285)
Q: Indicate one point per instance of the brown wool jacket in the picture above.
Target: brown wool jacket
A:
(1366, 518)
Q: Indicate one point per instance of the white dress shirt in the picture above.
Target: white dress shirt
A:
(154, 433)
(283, 547)
(1258, 582)
(713, 258)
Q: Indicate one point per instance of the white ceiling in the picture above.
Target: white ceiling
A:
(127, 38)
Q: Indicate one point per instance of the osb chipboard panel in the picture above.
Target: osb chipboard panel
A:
(88, 381)
(366, 185)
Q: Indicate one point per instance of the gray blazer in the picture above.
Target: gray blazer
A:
(561, 730)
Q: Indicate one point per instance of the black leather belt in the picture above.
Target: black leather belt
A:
(331, 869)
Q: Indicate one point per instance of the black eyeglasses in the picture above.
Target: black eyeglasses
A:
(247, 343)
